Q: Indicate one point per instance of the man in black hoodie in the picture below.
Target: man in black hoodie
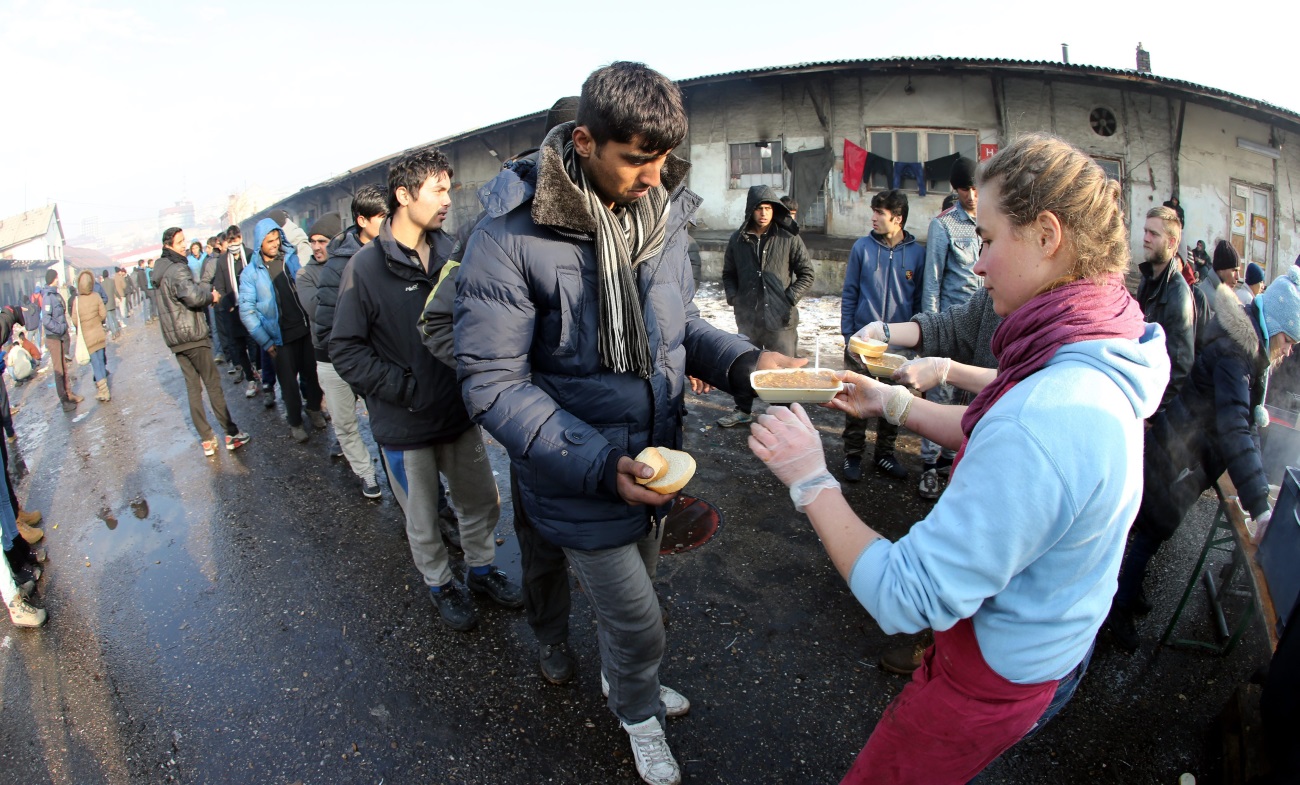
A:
(318, 286)
(416, 412)
(766, 270)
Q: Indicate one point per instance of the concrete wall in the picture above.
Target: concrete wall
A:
(809, 111)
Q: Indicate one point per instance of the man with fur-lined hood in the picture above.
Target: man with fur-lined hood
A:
(765, 271)
(575, 329)
(1208, 429)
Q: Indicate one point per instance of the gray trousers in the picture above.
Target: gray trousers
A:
(342, 403)
(474, 497)
(631, 630)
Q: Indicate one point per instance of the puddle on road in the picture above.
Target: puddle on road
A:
(140, 507)
(110, 520)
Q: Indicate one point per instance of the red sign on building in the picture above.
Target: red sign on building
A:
(987, 151)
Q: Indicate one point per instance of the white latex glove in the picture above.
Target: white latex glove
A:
(924, 373)
(1261, 524)
(787, 442)
(862, 396)
(872, 332)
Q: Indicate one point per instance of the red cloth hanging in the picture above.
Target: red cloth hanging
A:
(855, 158)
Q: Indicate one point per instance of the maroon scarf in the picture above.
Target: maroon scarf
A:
(1031, 335)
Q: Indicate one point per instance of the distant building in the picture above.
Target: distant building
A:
(30, 244)
(1230, 159)
(180, 214)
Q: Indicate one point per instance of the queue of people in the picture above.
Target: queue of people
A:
(564, 326)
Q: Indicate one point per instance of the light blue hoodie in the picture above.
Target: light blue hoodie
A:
(1027, 539)
(258, 309)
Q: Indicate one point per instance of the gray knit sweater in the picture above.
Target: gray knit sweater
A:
(963, 332)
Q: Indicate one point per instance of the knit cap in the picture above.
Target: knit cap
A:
(963, 173)
(1280, 304)
(279, 216)
(328, 225)
(1225, 256)
(1254, 274)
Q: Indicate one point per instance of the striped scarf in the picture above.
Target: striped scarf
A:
(624, 239)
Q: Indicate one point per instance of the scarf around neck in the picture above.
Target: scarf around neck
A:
(624, 239)
(1032, 334)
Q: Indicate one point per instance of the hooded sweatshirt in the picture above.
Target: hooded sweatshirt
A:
(268, 301)
(881, 284)
(1027, 539)
(765, 275)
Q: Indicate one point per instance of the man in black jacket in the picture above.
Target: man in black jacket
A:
(416, 412)
(1165, 297)
(182, 317)
(242, 351)
(766, 270)
(318, 288)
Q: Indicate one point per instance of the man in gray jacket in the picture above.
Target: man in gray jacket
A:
(574, 334)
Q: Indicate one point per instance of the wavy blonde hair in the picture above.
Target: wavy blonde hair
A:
(1039, 174)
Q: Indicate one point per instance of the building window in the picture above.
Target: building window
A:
(757, 163)
(1113, 167)
(1103, 121)
(918, 145)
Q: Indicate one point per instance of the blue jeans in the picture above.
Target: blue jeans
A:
(114, 326)
(99, 364)
(8, 521)
(1064, 692)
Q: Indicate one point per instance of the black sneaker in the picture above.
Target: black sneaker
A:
(454, 607)
(944, 466)
(853, 468)
(1123, 629)
(889, 466)
(268, 395)
(496, 586)
(370, 488)
(556, 662)
(336, 450)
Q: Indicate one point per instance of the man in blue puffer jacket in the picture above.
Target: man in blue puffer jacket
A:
(270, 311)
(575, 331)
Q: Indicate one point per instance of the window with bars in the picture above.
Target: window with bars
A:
(918, 145)
(757, 163)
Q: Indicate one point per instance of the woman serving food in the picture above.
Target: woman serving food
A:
(1015, 566)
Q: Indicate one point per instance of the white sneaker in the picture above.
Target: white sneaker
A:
(251, 390)
(654, 760)
(24, 614)
(675, 703)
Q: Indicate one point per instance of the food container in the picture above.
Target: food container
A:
(884, 366)
(796, 385)
(867, 348)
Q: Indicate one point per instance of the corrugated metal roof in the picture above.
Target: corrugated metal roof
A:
(1260, 109)
(982, 63)
(20, 228)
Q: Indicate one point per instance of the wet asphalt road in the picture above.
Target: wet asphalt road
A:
(251, 618)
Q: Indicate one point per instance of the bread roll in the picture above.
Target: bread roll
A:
(681, 468)
(868, 348)
(651, 457)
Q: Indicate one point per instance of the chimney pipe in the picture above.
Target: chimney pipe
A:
(1065, 53)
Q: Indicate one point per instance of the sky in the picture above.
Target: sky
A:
(115, 110)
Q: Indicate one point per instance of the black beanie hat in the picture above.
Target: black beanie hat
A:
(328, 225)
(279, 216)
(1225, 256)
(963, 173)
